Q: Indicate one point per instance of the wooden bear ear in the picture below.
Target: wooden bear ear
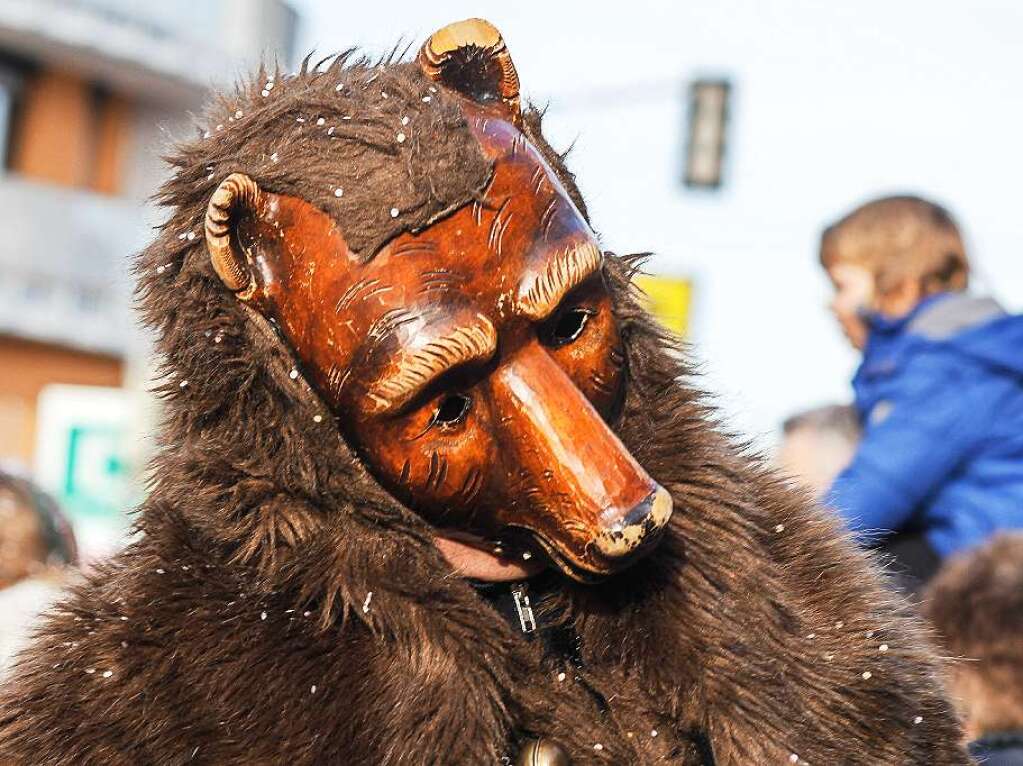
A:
(237, 196)
(470, 57)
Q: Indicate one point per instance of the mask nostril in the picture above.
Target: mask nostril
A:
(638, 527)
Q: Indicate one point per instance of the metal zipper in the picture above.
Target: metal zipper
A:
(520, 594)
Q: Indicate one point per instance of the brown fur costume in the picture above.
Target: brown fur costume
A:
(281, 608)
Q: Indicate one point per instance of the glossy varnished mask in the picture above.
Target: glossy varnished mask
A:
(471, 364)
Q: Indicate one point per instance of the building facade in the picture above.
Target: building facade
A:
(91, 91)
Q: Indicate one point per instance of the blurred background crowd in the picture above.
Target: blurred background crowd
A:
(738, 141)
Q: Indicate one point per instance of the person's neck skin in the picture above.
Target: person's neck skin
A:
(474, 562)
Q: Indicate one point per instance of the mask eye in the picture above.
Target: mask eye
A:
(568, 326)
(452, 410)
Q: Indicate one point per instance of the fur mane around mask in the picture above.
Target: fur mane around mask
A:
(280, 606)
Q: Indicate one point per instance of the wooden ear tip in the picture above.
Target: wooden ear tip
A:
(453, 42)
(478, 32)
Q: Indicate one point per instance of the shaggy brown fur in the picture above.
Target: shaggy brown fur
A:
(280, 607)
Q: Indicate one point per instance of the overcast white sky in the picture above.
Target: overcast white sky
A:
(833, 103)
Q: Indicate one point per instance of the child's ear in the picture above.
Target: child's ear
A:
(901, 299)
(470, 58)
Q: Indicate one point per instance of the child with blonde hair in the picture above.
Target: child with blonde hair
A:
(939, 391)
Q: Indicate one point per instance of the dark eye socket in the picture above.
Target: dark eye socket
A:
(568, 325)
(452, 410)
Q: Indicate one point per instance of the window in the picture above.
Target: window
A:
(10, 85)
(70, 132)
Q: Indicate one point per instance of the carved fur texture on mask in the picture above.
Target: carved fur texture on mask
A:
(280, 607)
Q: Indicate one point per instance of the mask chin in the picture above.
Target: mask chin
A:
(529, 540)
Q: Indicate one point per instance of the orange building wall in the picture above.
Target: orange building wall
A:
(113, 136)
(54, 133)
(25, 367)
(68, 133)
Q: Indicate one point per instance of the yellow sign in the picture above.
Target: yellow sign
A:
(669, 299)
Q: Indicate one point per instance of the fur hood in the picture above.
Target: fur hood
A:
(280, 607)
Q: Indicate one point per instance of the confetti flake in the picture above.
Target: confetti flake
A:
(400, 138)
(653, 732)
(312, 689)
(561, 676)
(867, 675)
(780, 528)
(293, 374)
(107, 673)
(918, 720)
(883, 648)
(262, 615)
(365, 604)
(598, 747)
(339, 192)
(321, 121)
(404, 120)
(317, 418)
(394, 212)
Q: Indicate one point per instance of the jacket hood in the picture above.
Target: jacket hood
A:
(978, 328)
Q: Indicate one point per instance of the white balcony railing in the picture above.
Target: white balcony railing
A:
(64, 260)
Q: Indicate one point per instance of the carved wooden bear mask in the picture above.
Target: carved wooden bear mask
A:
(472, 364)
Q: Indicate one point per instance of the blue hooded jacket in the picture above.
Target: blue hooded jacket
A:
(940, 396)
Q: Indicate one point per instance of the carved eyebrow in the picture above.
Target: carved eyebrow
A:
(415, 369)
(540, 297)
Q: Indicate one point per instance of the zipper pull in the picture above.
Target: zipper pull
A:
(520, 593)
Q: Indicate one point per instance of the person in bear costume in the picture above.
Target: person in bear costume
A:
(433, 487)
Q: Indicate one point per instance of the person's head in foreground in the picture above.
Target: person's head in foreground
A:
(886, 256)
(35, 538)
(976, 605)
(817, 444)
(398, 362)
